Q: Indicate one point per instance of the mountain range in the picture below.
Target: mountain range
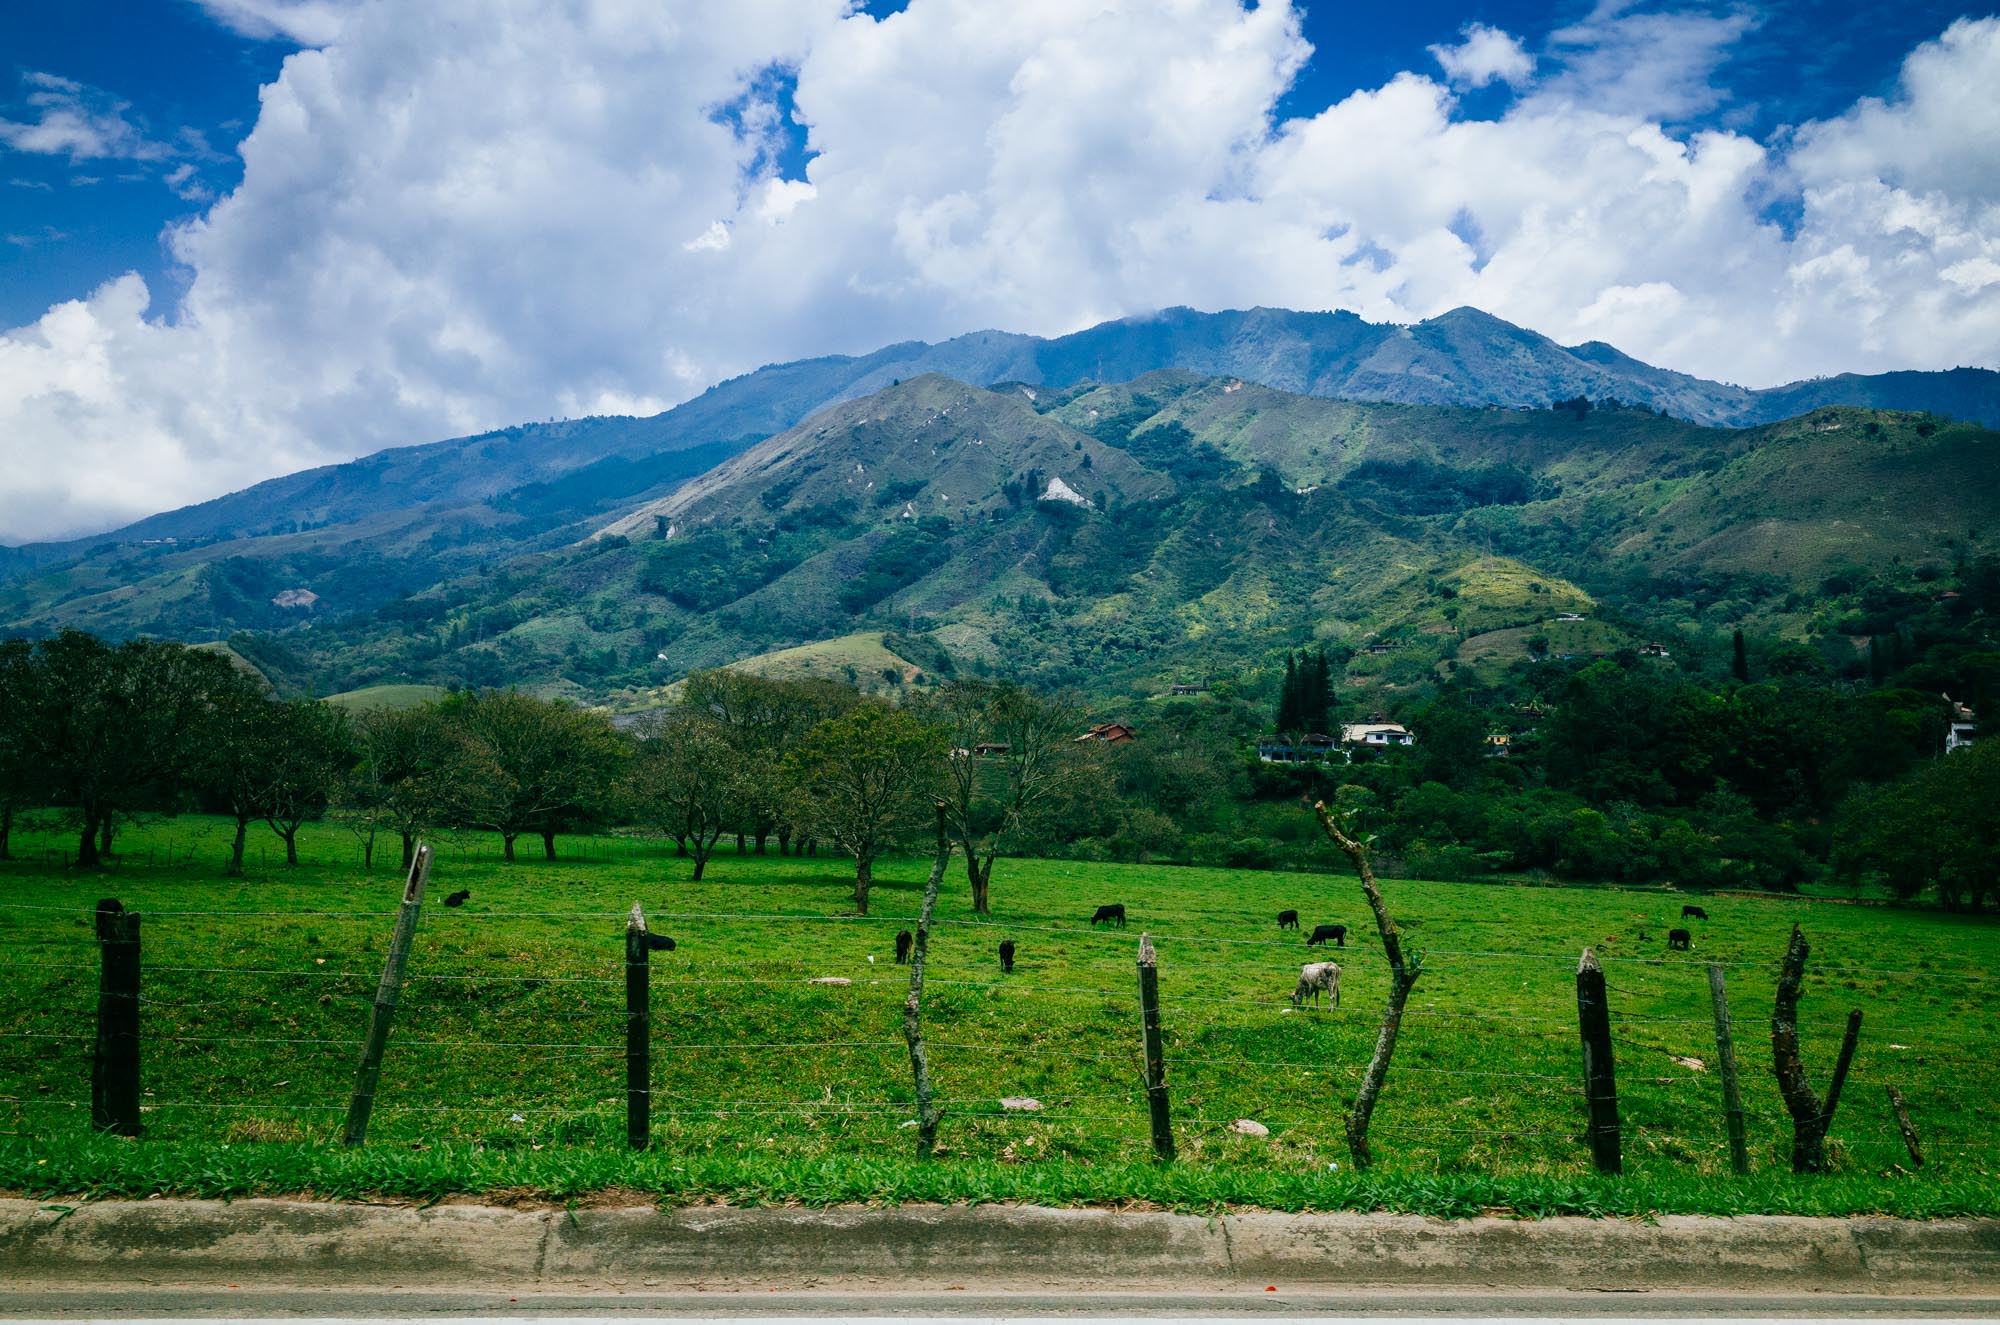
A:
(1153, 495)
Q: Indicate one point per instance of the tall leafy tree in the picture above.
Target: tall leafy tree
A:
(110, 729)
(419, 772)
(866, 780)
(764, 718)
(548, 763)
(687, 778)
(1290, 716)
(19, 783)
(238, 742)
(312, 750)
(1012, 753)
(1938, 827)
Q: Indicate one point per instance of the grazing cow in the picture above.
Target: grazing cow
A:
(659, 943)
(1680, 938)
(1693, 913)
(1288, 920)
(1006, 956)
(1321, 933)
(458, 898)
(1114, 913)
(903, 941)
(1314, 977)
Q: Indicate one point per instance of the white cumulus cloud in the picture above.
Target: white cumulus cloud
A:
(466, 213)
(1485, 55)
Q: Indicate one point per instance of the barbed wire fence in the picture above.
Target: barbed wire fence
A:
(250, 1024)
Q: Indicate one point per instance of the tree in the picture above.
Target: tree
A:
(1290, 717)
(550, 762)
(238, 740)
(1938, 827)
(1739, 659)
(765, 717)
(1451, 741)
(109, 729)
(312, 749)
(419, 772)
(1012, 753)
(18, 780)
(686, 779)
(864, 780)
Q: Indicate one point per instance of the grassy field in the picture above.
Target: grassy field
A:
(386, 697)
(506, 1067)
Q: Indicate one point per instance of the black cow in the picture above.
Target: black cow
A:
(1006, 956)
(458, 898)
(659, 943)
(1321, 933)
(1288, 920)
(903, 941)
(1108, 914)
(1693, 913)
(1680, 938)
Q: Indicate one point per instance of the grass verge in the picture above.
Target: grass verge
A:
(94, 1168)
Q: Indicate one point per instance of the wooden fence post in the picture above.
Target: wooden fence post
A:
(1903, 1121)
(913, 1002)
(1600, 1086)
(1156, 1061)
(114, 1066)
(638, 1032)
(369, 1073)
(1845, 1061)
(1725, 1054)
(1808, 1137)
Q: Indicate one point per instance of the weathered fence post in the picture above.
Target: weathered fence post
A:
(1600, 1085)
(114, 1066)
(1808, 1150)
(1903, 1121)
(1725, 1054)
(1845, 1061)
(913, 1003)
(1156, 1060)
(638, 1032)
(369, 1073)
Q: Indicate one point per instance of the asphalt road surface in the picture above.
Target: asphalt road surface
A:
(346, 1308)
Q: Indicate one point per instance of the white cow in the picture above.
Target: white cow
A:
(1315, 976)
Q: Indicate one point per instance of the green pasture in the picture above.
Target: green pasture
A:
(506, 1065)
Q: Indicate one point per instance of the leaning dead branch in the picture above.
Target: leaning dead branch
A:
(1402, 978)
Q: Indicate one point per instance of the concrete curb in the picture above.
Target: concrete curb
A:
(274, 1243)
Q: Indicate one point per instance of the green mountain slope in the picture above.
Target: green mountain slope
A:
(1115, 538)
(546, 472)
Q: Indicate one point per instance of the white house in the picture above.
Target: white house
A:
(1377, 735)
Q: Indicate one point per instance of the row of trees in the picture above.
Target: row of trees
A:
(106, 732)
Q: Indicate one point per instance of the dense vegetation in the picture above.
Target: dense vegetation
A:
(1768, 771)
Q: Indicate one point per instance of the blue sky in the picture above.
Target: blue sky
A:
(71, 224)
(243, 237)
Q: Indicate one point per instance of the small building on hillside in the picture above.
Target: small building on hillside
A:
(1300, 748)
(1655, 651)
(1499, 745)
(1377, 735)
(1185, 688)
(990, 749)
(1111, 733)
(1964, 726)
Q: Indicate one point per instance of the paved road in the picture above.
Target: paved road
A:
(1017, 1308)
